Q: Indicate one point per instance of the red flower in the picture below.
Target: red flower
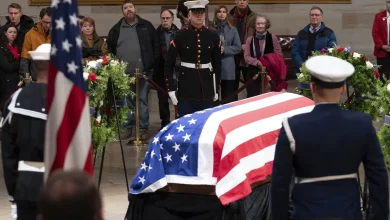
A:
(106, 60)
(376, 74)
(110, 111)
(340, 49)
(92, 77)
(96, 123)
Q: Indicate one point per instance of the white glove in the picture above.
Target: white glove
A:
(172, 95)
(215, 98)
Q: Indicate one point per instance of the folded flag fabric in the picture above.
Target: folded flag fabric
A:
(230, 146)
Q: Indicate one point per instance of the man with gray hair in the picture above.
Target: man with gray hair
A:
(23, 134)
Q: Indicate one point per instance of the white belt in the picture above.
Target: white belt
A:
(325, 178)
(197, 65)
(31, 166)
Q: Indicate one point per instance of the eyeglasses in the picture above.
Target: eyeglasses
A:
(165, 18)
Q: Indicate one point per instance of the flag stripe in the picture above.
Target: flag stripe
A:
(75, 155)
(268, 119)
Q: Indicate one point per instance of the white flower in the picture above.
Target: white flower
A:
(369, 65)
(85, 75)
(114, 62)
(92, 64)
(99, 60)
(99, 119)
(330, 49)
(356, 55)
(388, 87)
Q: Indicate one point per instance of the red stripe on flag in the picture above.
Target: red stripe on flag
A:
(244, 188)
(256, 98)
(220, 169)
(52, 75)
(88, 167)
(70, 121)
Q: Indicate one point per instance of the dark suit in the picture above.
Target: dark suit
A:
(328, 142)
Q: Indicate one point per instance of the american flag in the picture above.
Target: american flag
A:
(229, 146)
(68, 131)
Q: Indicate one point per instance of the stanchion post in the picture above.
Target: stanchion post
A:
(263, 73)
(137, 140)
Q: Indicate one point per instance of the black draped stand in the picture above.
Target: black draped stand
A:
(112, 102)
(177, 206)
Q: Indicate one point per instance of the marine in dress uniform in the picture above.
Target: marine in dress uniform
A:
(325, 148)
(199, 73)
(22, 143)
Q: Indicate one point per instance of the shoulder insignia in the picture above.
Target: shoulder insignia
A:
(172, 43)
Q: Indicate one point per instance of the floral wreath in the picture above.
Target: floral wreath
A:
(369, 94)
(103, 120)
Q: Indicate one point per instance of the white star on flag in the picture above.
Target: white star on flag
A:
(188, 115)
(161, 147)
(79, 42)
(155, 140)
(192, 121)
(144, 166)
(68, 1)
(60, 24)
(150, 167)
(141, 180)
(176, 147)
(169, 137)
(72, 67)
(184, 158)
(54, 3)
(53, 50)
(168, 157)
(73, 19)
(164, 129)
(180, 128)
(160, 158)
(66, 45)
(152, 154)
(175, 121)
(187, 137)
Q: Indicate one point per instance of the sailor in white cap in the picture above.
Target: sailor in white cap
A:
(22, 142)
(200, 52)
(325, 148)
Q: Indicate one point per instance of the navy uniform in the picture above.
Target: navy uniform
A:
(22, 144)
(199, 73)
(325, 148)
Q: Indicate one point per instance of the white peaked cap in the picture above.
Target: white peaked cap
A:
(41, 53)
(196, 4)
(329, 71)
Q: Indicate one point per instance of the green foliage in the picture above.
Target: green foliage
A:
(368, 94)
(384, 138)
(97, 75)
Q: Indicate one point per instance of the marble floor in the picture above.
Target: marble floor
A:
(113, 184)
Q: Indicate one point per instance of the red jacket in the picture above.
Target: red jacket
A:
(277, 70)
(379, 33)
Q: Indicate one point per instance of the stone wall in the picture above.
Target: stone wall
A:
(351, 22)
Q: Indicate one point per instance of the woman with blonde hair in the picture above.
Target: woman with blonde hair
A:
(94, 46)
(231, 45)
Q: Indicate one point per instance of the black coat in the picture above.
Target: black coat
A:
(23, 137)
(26, 23)
(148, 41)
(194, 46)
(9, 76)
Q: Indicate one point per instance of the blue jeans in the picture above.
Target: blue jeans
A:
(144, 88)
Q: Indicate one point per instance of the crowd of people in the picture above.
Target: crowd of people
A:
(194, 64)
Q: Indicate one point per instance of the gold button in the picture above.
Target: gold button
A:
(198, 40)
(198, 35)
(198, 61)
(198, 56)
(198, 51)
(199, 46)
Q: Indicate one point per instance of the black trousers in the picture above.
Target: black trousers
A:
(227, 88)
(190, 106)
(163, 107)
(244, 71)
(384, 62)
(26, 210)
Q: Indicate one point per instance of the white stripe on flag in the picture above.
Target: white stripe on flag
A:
(257, 128)
(210, 129)
(62, 88)
(79, 147)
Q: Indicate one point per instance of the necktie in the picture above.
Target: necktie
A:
(314, 30)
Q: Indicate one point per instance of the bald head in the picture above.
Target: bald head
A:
(70, 195)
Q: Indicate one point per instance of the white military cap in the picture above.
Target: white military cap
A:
(41, 53)
(198, 4)
(329, 72)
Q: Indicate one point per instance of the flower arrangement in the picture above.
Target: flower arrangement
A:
(384, 137)
(97, 75)
(368, 93)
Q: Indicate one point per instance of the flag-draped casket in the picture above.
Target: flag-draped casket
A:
(230, 146)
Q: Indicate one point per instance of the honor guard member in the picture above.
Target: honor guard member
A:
(199, 73)
(325, 148)
(22, 143)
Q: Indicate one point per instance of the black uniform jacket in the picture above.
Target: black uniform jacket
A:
(23, 132)
(196, 46)
(328, 142)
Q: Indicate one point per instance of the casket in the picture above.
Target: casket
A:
(225, 151)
